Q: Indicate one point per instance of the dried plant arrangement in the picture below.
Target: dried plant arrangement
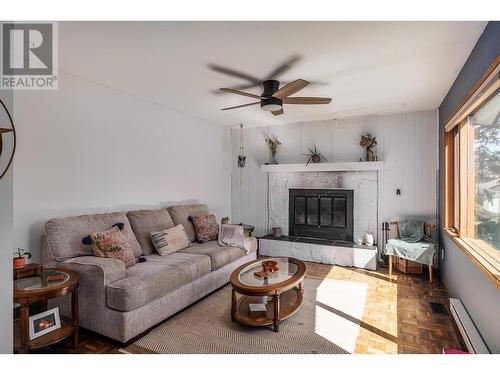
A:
(273, 147)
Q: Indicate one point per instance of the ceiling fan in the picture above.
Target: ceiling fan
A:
(273, 97)
(253, 81)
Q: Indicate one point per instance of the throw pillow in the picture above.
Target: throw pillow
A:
(205, 227)
(170, 240)
(112, 243)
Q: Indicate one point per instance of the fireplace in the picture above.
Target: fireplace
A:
(321, 213)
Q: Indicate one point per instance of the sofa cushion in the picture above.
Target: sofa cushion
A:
(158, 276)
(219, 255)
(181, 214)
(205, 227)
(170, 240)
(143, 222)
(64, 236)
(112, 243)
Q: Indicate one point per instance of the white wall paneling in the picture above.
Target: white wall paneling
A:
(407, 144)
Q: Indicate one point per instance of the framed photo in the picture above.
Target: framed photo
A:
(43, 323)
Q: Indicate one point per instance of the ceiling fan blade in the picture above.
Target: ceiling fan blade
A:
(233, 91)
(234, 73)
(240, 87)
(306, 100)
(239, 106)
(291, 88)
(283, 68)
(277, 113)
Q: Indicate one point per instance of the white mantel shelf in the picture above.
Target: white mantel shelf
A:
(324, 167)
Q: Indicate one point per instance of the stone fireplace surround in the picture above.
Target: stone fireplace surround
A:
(365, 212)
(363, 183)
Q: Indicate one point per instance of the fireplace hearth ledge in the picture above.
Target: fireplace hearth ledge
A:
(338, 253)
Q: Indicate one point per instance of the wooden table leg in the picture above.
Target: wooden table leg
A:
(276, 313)
(430, 273)
(233, 304)
(390, 265)
(74, 316)
(25, 316)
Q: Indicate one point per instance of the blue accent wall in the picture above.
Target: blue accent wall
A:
(464, 279)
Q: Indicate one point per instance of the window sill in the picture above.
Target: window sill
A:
(489, 266)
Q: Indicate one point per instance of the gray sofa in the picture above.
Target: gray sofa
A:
(120, 302)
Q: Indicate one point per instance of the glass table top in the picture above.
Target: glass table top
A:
(286, 270)
(44, 280)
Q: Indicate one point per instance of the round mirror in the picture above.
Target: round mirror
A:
(7, 139)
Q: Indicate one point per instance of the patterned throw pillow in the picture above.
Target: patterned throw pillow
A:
(112, 243)
(205, 227)
(170, 240)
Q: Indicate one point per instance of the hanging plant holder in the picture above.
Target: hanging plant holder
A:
(242, 159)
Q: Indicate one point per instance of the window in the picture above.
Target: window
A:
(472, 179)
(485, 123)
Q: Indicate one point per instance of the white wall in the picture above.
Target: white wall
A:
(407, 143)
(6, 243)
(86, 148)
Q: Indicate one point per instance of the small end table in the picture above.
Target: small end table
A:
(39, 288)
(28, 270)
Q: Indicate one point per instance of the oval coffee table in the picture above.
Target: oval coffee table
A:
(281, 292)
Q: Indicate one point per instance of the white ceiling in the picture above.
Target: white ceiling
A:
(367, 67)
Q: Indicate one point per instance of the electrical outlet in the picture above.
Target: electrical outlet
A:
(398, 191)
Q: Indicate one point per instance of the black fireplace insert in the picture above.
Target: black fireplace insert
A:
(321, 213)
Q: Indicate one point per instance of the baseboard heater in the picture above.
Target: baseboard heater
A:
(469, 332)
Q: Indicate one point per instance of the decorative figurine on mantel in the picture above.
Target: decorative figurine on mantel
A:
(273, 147)
(369, 143)
(314, 156)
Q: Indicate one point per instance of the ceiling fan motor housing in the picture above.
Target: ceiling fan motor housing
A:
(271, 103)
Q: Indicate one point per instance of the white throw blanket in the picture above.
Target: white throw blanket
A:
(233, 235)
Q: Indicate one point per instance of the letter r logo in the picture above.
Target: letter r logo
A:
(27, 49)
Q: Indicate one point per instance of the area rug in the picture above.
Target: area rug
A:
(327, 322)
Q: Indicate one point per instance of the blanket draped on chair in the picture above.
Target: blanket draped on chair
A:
(411, 230)
(412, 243)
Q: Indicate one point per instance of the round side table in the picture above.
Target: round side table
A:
(50, 283)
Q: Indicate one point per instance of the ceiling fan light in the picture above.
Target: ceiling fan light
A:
(271, 107)
(271, 104)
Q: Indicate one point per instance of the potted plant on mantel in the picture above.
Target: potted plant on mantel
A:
(20, 258)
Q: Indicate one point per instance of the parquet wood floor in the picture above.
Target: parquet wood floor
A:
(397, 316)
